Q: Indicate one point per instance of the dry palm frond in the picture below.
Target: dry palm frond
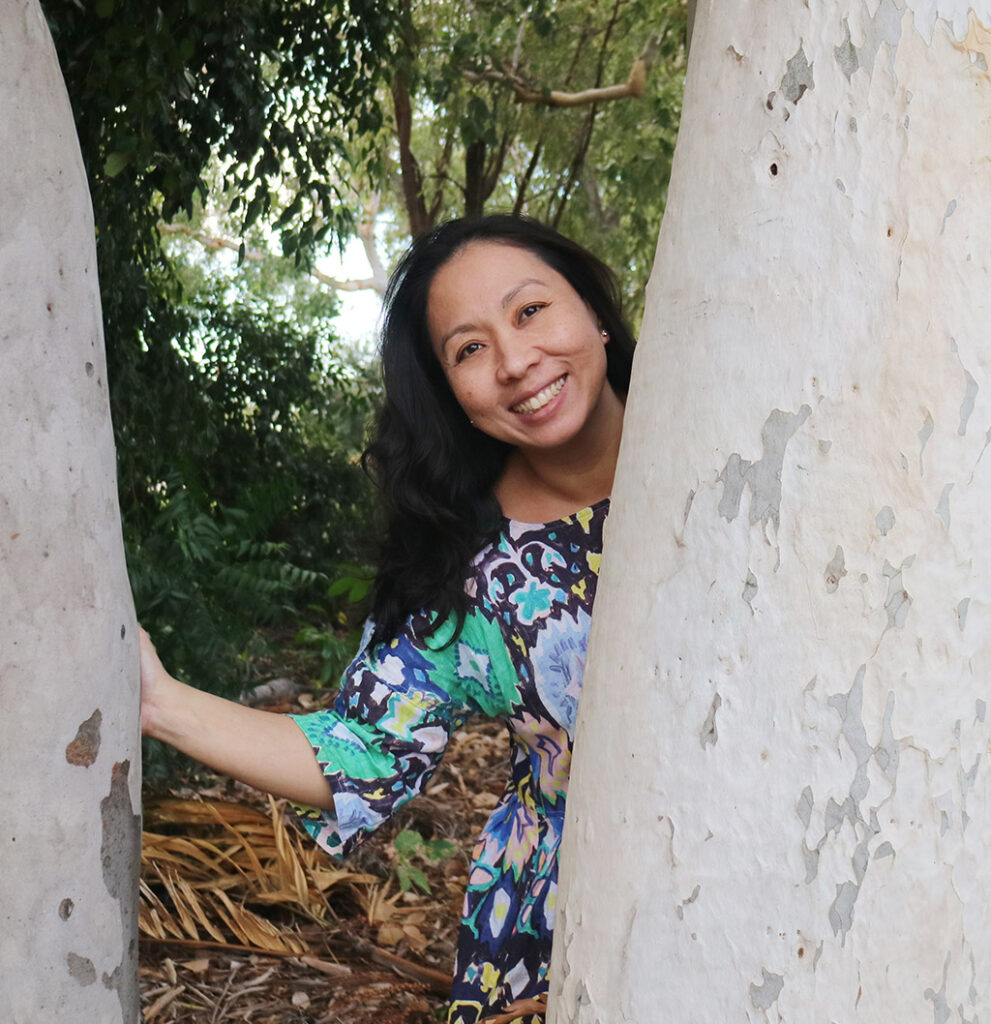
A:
(197, 883)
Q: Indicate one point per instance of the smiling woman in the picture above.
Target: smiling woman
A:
(525, 357)
(506, 362)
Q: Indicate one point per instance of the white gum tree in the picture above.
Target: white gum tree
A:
(780, 807)
(69, 786)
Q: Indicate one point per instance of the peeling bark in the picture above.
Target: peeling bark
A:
(780, 803)
(69, 832)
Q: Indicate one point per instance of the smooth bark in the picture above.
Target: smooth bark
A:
(69, 790)
(780, 806)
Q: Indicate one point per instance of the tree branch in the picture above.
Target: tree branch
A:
(377, 282)
(632, 88)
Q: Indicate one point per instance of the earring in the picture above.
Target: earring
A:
(604, 333)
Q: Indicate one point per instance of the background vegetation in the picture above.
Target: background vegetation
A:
(277, 130)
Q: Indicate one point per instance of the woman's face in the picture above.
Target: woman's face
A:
(523, 353)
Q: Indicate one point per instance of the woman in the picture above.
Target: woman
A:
(506, 363)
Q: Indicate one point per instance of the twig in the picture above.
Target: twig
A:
(439, 981)
(162, 1001)
(230, 947)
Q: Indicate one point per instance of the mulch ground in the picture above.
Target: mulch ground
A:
(244, 920)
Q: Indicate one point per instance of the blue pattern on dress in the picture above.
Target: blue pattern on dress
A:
(520, 657)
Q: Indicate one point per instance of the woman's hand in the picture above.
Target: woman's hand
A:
(265, 750)
(155, 682)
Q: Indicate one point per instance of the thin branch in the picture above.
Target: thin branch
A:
(377, 282)
(412, 177)
(632, 88)
(524, 182)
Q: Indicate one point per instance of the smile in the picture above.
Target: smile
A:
(541, 398)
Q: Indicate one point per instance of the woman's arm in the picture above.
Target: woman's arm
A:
(265, 750)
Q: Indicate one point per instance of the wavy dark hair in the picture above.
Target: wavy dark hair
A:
(435, 471)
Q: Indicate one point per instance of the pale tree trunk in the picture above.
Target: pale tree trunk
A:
(780, 807)
(69, 787)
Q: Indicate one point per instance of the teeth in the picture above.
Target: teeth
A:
(541, 398)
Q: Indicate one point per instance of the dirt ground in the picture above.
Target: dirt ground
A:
(222, 884)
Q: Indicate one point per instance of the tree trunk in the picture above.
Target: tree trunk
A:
(780, 806)
(69, 831)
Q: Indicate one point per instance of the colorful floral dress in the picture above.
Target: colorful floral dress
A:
(519, 656)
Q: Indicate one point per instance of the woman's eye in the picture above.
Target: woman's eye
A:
(467, 350)
(528, 311)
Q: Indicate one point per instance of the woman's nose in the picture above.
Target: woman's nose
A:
(516, 357)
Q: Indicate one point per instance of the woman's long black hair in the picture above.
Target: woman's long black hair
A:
(436, 472)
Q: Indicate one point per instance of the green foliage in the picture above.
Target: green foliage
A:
(334, 645)
(411, 846)
(236, 424)
(250, 490)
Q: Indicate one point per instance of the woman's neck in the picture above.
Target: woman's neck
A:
(540, 485)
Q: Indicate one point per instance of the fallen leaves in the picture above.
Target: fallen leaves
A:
(206, 866)
(233, 877)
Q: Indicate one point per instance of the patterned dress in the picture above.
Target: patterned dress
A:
(520, 657)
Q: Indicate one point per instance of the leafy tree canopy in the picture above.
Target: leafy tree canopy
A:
(566, 110)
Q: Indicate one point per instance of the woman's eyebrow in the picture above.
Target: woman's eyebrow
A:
(460, 329)
(513, 292)
(467, 328)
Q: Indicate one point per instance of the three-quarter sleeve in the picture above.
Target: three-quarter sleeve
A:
(386, 733)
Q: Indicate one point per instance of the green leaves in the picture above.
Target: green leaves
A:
(115, 163)
(410, 845)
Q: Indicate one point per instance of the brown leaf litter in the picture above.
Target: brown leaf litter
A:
(243, 918)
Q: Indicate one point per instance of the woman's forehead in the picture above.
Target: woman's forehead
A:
(481, 268)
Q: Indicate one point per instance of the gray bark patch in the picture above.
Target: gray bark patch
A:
(798, 77)
(733, 479)
(967, 405)
(841, 912)
(81, 968)
(884, 27)
(941, 1008)
(886, 752)
(943, 508)
(835, 570)
(763, 996)
(120, 854)
(65, 909)
(846, 53)
(83, 750)
(898, 600)
(962, 609)
(849, 706)
(750, 589)
(924, 434)
(885, 520)
(763, 476)
(708, 735)
(804, 807)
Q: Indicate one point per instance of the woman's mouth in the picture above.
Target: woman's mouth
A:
(541, 398)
